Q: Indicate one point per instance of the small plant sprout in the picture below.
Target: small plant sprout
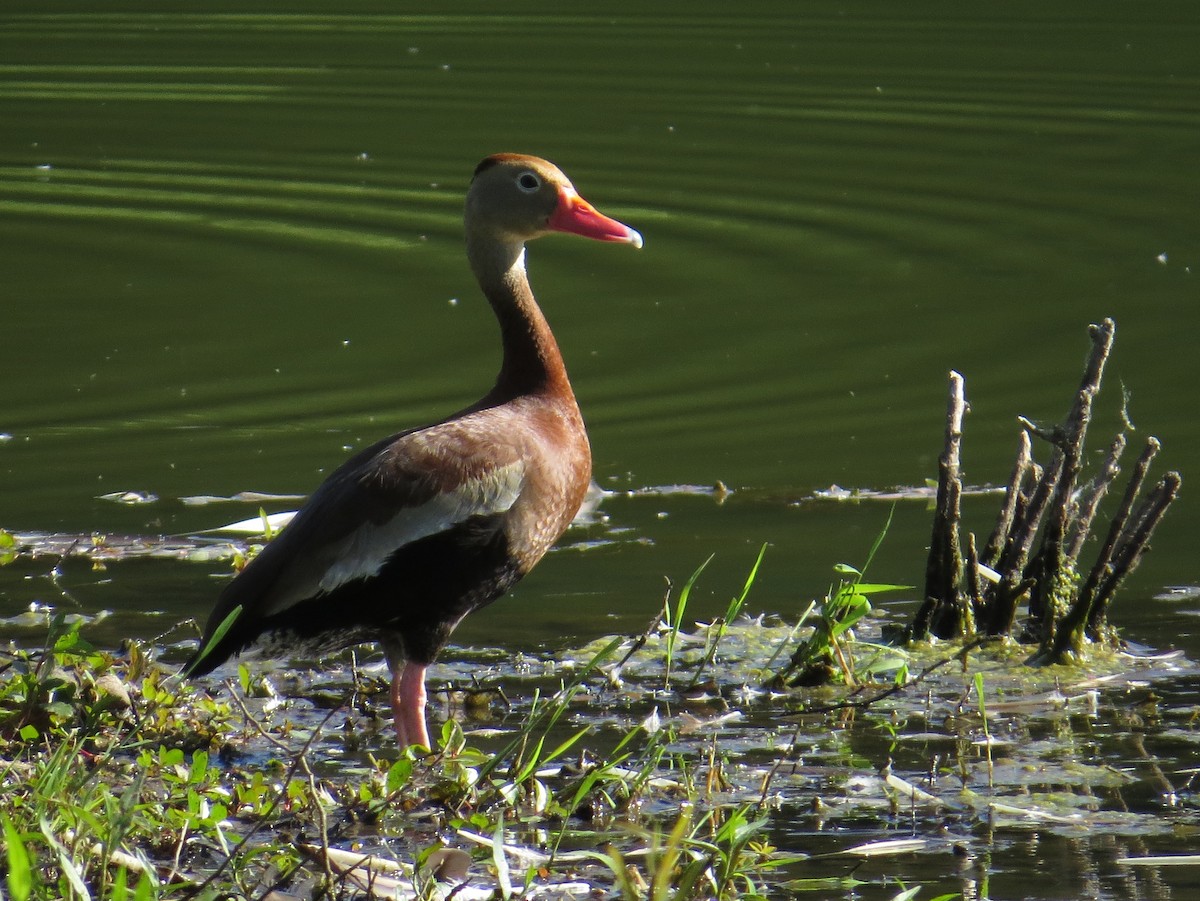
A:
(824, 656)
(987, 736)
(673, 619)
(720, 628)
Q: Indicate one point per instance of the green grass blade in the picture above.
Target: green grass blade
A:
(878, 541)
(876, 587)
(20, 867)
(731, 613)
(735, 606)
(551, 711)
(221, 630)
(677, 618)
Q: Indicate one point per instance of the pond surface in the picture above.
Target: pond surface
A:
(231, 243)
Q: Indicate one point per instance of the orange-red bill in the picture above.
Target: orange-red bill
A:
(577, 216)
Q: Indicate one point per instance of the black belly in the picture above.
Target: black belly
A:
(416, 599)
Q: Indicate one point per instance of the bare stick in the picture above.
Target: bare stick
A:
(1088, 507)
(1133, 544)
(973, 603)
(999, 538)
(1084, 609)
(1046, 605)
(1104, 560)
(950, 490)
(943, 570)
(1013, 580)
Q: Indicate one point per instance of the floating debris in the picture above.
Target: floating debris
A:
(242, 497)
(927, 492)
(132, 498)
(262, 525)
(110, 548)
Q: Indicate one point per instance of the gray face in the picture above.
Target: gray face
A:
(512, 198)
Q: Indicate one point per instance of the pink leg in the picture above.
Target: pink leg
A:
(408, 705)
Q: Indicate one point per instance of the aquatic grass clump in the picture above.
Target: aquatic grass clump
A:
(600, 774)
(145, 819)
(108, 786)
(721, 854)
(824, 655)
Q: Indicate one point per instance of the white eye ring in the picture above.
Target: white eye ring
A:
(528, 182)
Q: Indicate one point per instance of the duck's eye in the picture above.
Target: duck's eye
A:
(528, 182)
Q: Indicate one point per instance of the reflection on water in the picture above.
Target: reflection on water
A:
(232, 255)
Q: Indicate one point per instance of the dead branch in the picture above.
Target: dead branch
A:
(1050, 509)
(1002, 534)
(943, 570)
(1049, 598)
(1090, 503)
(1014, 581)
(974, 602)
(1132, 545)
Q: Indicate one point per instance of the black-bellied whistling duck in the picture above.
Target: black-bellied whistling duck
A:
(407, 537)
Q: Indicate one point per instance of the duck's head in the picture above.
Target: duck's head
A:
(514, 198)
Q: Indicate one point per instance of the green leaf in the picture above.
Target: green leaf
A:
(8, 548)
(199, 767)
(29, 732)
(735, 605)
(120, 886)
(67, 864)
(60, 709)
(65, 642)
(875, 587)
(20, 869)
(536, 763)
(146, 887)
(689, 879)
(218, 634)
(398, 775)
(982, 703)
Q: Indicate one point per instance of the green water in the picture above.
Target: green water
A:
(231, 253)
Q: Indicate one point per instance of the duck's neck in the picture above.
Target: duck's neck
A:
(532, 362)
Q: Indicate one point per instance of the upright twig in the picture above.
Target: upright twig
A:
(1103, 567)
(1013, 580)
(1051, 595)
(1127, 539)
(1090, 503)
(974, 601)
(1132, 544)
(943, 569)
(1013, 493)
(1043, 524)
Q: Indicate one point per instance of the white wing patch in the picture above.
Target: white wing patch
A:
(364, 552)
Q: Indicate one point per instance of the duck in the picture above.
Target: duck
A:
(412, 534)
